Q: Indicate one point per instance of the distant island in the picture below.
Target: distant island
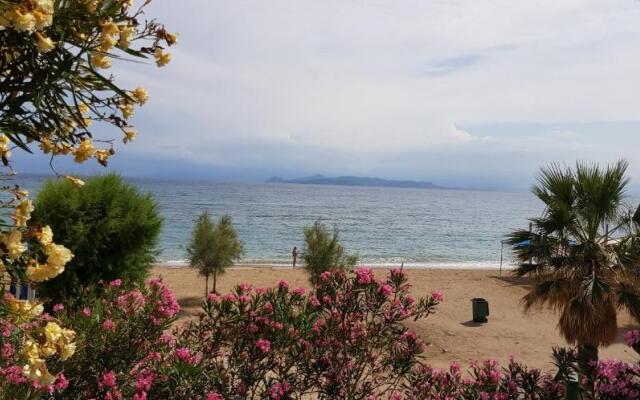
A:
(356, 181)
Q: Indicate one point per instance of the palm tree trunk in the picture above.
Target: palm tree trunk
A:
(206, 285)
(587, 357)
(215, 279)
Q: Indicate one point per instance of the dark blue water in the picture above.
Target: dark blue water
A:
(383, 226)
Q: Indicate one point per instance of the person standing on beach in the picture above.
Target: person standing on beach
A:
(294, 254)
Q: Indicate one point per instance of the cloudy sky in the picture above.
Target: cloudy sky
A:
(463, 93)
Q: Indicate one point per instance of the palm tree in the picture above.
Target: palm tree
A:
(323, 251)
(583, 253)
(213, 247)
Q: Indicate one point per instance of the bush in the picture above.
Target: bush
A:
(323, 252)
(110, 227)
(121, 338)
(344, 340)
(213, 247)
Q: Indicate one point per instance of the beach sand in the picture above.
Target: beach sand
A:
(451, 333)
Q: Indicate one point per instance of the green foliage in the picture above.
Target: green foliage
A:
(111, 228)
(583, 252)
(213, 247)
(323, 252)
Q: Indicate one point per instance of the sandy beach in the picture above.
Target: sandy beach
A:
(451, 333)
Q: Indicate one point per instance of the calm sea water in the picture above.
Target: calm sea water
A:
(383, 226)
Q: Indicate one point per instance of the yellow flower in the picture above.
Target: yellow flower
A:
(44, 5)
(37, 272)
(14, 245)
(57, 255)
(43, 19)
(127, 110)
(129, 135)
(83, 108)
(171, 38)
(23, 21)
(126, 36)
(84, 151)
(45, 236)
(25, 310)
(36, 371)
(30, 350)
(141, 95)
(22, 212)
(46, 145)
(103, 156)
(100, 60)
(45, 44)
(107, 42)
(162, 58)
(126, 3)
(67, 350)
(52, 332)
(75, 181)
(4, 146)
(109, 28)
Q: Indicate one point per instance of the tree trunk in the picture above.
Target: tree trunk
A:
(206, 285)
(215, 279)
(587, 357)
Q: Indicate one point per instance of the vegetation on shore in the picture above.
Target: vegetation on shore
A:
(214, 247)
(324, 252)
(583, 253)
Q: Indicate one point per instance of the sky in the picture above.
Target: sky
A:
(475, 94)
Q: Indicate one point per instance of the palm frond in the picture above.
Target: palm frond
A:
(584, 322)
(550, 289)
(628, 296)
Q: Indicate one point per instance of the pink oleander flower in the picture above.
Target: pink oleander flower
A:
(365, 276)
(214, 396)
(58, 307)
(245, 287)
(283, 284)
(115, 283)
(108, 379)
(212, 297)
(278, 390)
(7, 351)
(437, 296)
(299, 291)
(268, 307)
(109, 325)
(386, 289)
(184, 354)
(264, 345)
(86, 312)
(61, 382)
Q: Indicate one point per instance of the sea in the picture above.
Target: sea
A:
(384, 227)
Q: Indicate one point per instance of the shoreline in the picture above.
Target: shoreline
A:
(450, 333)
(459, 266)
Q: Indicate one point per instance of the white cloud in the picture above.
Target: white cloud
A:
(375, 79)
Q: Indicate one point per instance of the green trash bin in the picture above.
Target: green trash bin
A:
(480, 309)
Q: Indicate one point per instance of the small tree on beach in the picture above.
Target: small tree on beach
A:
(583, 253)
(213, 247)
(323, 251)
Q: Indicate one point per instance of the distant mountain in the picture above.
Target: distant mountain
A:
(356, 181)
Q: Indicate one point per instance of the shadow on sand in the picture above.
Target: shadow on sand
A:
(471, 324)
(514, 280)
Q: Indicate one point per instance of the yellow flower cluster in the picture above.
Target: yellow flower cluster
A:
(56, 341)
(31, 16)
(111, 34)
(22, 212)
(4, 146)
(57, 257)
